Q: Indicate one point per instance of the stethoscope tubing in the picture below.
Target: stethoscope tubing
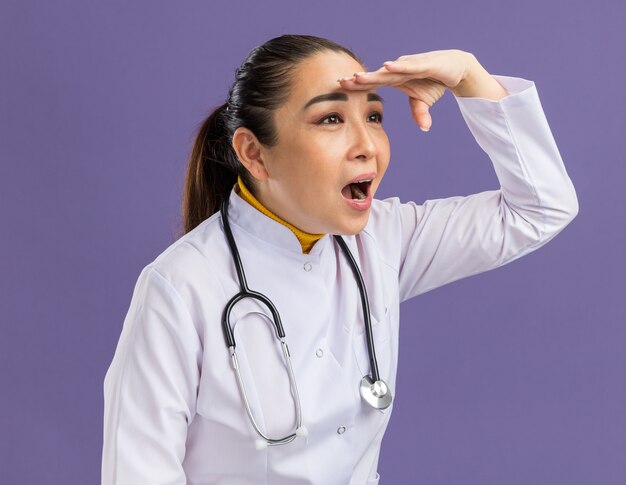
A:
(370, 385)
(366, 308)
(245, 292)
(280, 331)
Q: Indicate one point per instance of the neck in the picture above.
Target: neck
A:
(307, 240)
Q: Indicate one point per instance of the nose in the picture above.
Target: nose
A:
(363, 146)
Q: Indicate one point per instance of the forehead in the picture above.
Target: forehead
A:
(319, 73)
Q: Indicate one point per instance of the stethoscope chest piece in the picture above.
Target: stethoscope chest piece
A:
(376, 393)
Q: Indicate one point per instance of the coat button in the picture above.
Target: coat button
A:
(319, 353)
(307, 266)
(341, 430)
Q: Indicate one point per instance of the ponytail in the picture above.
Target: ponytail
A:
(212, 171)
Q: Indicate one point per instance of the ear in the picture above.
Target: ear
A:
(248, 149)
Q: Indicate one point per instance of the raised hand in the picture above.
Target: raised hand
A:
(424, 77)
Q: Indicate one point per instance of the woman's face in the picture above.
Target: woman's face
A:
(323, 146)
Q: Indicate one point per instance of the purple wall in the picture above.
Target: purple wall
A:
(513, 376)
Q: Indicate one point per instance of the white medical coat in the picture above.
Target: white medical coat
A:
(173, 412)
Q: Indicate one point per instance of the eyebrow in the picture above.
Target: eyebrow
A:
(339, 97)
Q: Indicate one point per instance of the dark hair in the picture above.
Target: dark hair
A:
(262, 84)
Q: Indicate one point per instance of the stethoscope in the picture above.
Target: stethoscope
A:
(374, 390)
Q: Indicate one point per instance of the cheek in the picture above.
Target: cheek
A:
(318, 161)
(383, 166)
(384, 153)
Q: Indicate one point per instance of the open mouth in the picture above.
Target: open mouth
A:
(357, 190)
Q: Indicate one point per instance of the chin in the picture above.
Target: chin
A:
(354, 227)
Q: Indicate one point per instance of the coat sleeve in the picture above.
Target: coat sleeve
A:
(150, 388)
(443, 240)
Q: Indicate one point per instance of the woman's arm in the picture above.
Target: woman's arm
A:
(150, 388)
(443, 240)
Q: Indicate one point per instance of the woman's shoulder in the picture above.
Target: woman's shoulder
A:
(195, 251)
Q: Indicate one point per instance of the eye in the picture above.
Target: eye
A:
(330, 116)
(379, 115)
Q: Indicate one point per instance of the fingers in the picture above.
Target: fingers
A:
(391, 74)
(444, 67)
(419, 110)
(374, 79)
(357, 84)
(413, 65)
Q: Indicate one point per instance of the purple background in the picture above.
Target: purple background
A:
(514, 376)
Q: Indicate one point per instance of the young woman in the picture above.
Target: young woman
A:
(208, 388)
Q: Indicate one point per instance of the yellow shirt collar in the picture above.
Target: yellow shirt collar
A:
(306, 240)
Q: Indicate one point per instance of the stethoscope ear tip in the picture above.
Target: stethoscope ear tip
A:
(302, 432)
